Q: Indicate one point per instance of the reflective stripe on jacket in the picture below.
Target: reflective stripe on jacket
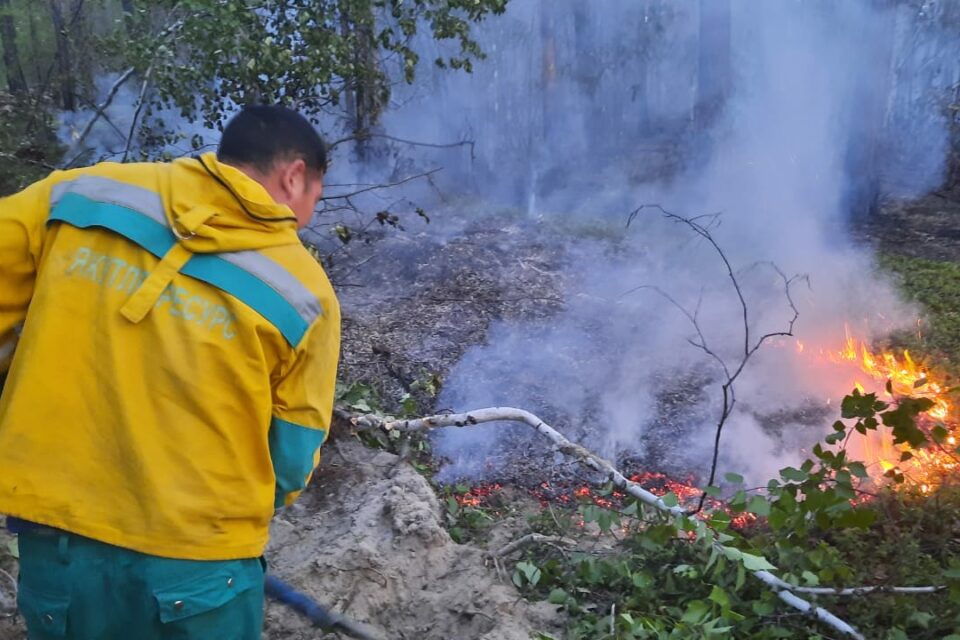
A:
(174, 373)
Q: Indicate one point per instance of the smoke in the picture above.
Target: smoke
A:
(788, 118)
(586, 110)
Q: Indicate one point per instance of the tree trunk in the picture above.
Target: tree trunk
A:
(65, 81)
(130, 20)
(16, 82)
(867, 119)
(713, 84)
(362, 100)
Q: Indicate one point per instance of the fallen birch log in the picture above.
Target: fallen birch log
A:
(784, 590)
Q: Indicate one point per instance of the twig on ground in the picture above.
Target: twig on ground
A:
(531, 539)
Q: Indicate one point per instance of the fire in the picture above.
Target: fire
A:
(894, 375)
(478, 496)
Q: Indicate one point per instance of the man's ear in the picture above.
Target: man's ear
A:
(294, 177)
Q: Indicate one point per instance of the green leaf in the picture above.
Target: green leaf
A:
(857, 518)
(733, 478)
(763, 608)
(903, 420)
(810, 579)
(759, 506)
(757, 563)
(558, 596)
(530, 572)
(720, 596)
(858, 469)
(939, 434)
(793, 475)
(696, 611)
(669, 499)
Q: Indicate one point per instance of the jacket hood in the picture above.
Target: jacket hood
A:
(214, 207)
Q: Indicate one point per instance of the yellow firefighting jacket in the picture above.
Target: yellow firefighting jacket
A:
(174, 374)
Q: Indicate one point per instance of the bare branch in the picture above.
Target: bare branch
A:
(99, 112)
(36, 163)
(136, 114)
(731, 373)
(377, 187)
(432, 145)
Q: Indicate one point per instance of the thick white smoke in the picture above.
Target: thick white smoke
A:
(587, 110)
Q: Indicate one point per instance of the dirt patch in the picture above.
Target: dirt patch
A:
(368, 540)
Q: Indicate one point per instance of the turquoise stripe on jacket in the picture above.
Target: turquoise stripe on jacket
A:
(82, 212)
(292, 450)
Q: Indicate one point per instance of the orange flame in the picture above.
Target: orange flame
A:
(892, 375)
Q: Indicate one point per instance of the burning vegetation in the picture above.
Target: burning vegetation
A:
(924, 459)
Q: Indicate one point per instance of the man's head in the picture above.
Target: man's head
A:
(282, 151)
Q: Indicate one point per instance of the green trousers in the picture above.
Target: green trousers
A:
(76, 588)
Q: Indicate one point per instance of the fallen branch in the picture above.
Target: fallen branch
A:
(531, 539)
(784, 590)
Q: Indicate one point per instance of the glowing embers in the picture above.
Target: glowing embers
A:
(686, 493)
(478, 496)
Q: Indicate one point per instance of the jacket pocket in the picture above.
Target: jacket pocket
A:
(45, 615)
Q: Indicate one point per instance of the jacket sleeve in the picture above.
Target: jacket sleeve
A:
(303, 407)
(23, 218)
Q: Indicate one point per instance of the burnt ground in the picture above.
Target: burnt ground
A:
(368, 538)
(927, 228)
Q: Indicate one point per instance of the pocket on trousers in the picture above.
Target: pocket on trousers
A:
(45, 614)
(200, 595)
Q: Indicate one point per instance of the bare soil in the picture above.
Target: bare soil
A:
(368, 540)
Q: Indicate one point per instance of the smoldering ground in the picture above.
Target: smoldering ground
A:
(583, 111)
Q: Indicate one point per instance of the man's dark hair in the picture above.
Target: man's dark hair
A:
(263, 135)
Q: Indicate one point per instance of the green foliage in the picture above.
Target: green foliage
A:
(465, 521)
(208, 55)
(669, 578)
(28, 145)
(936, 286)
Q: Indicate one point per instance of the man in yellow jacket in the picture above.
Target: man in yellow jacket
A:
(172, 382)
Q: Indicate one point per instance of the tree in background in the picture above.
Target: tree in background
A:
(203, 58)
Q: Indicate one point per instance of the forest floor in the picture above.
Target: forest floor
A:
(370, 538)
